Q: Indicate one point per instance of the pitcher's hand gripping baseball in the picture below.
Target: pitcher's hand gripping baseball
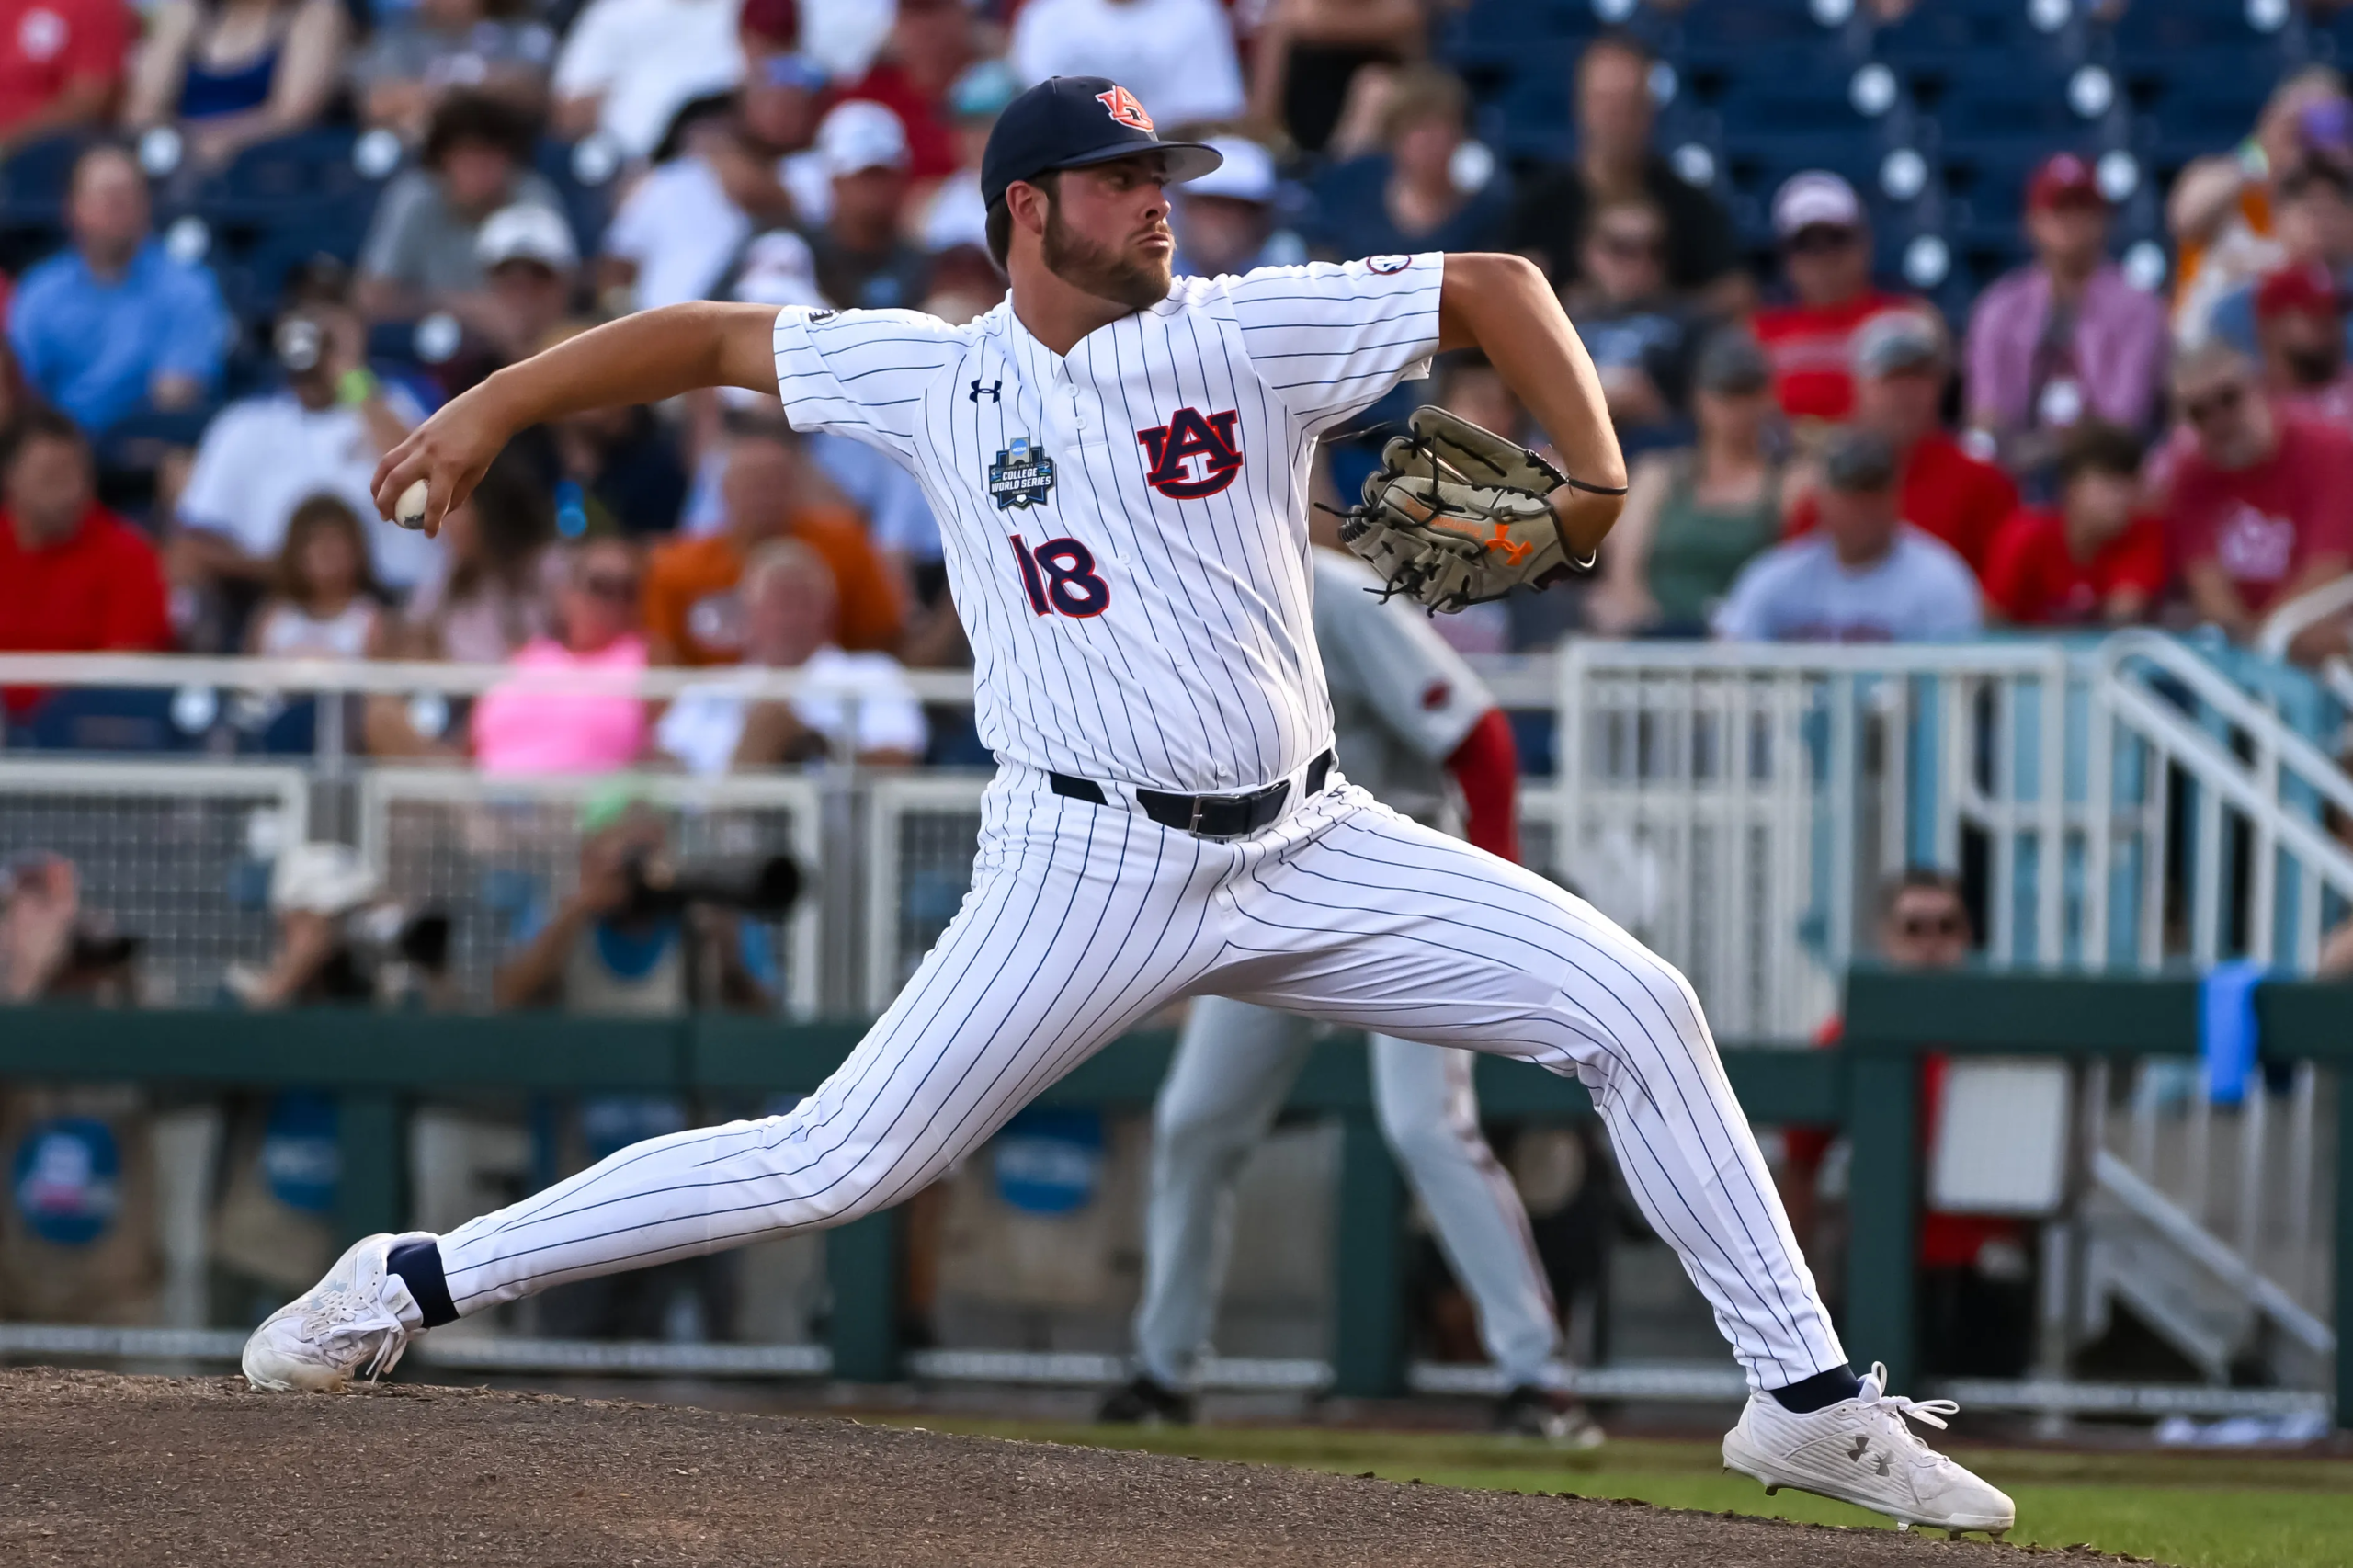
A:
(1457, 514)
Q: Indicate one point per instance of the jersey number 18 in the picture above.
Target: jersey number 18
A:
(1059, 575)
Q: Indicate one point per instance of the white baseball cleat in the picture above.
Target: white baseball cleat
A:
(348, 1324)
(1860, 1450)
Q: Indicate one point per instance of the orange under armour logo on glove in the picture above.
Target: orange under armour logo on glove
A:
(1513, 550)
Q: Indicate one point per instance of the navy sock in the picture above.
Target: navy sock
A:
(419, 1263)
(1819, 1391)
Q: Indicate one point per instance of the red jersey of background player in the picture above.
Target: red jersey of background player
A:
(2034, 579)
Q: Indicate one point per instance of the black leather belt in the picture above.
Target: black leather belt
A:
(1210, 816)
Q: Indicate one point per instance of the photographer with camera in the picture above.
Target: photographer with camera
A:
(262, 457)
(636, 937)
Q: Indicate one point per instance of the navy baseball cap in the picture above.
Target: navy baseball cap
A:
(1067, 123)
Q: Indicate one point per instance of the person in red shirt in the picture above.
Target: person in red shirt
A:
(1900, 367)
(2259, 510)
(61, 64)
(2300, 330)
(2095, 559)
(73, 577)
(931, 43)
(1826, 257)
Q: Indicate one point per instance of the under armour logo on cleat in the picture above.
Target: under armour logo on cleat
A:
(993, 389)
(1856, 1453)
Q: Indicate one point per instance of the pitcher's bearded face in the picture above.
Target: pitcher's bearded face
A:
(1107, 231)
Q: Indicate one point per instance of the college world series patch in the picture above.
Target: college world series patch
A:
(1021, 476)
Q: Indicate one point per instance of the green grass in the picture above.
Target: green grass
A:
(2206, 1510)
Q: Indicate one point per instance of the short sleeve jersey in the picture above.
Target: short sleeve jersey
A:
(1124, 526)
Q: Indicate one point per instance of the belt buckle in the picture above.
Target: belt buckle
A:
(1194, 826)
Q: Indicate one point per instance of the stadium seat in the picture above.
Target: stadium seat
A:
(99, 719)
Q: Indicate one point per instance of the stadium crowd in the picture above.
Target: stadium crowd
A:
(1817, 454)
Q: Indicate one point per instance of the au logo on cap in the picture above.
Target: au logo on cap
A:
(1122, 104)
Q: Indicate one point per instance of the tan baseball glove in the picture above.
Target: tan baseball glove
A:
(1457, 514)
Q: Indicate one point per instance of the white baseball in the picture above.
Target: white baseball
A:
(409, 511)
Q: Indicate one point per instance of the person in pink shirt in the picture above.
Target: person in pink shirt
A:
(531, 727)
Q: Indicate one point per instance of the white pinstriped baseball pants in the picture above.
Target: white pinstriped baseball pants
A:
(1232, 1069)
(1084, 919)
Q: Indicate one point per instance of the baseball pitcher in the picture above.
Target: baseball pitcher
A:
(1119, 460)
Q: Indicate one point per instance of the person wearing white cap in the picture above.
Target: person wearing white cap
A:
(1827, 258)
(862, 263)
(1224, 220)
(529, 262)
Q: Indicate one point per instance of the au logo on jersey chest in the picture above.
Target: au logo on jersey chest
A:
(1193, 455)
(1022, 475)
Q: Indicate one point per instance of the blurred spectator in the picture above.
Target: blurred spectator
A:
(1176, 56)
(493, 588)
(73, 577)
(953, 214)
(610, 950)
(323, 603)
(1306, 55)
(530, 726)
(1900, 374)
(263, 456)
(530, 266)
(1826, 259)
(50, 948)
(424, 246)
(436, 47)
(1865, 576)
(2066, 336)
(1224, 221)
(1976, 1307)
(2300, 336)
(628, 65)
(1642, 341)
(238, 72)
(2219, 208)
(854, 703)
(1615, 163)
(931, 44)
(2311, 209)
(315, 890)
(616, 471)
(681, 227)
(2096, 558)
(862, 263)
(2260, 509)
(1696, 516)
(114, 324)
(1408, 197)
(61, 64)
(769, 492)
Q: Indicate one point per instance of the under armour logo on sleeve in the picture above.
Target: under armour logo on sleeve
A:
(993, 389)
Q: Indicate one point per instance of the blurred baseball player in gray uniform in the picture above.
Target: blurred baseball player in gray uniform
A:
(1408, 713)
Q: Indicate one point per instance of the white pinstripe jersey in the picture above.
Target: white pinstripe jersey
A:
(1125, 527)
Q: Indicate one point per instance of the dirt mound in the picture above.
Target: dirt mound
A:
(99, 1469)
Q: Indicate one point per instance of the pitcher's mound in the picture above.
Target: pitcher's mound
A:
(99, 1469)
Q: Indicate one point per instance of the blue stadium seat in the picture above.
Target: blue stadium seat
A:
(587, 206)
(2167, 35)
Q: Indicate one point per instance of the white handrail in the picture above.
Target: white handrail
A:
(2314, 766)
(406, 677)
(2309, 608)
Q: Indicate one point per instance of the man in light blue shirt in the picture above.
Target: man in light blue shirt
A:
(1864, 575)
(114, 325)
